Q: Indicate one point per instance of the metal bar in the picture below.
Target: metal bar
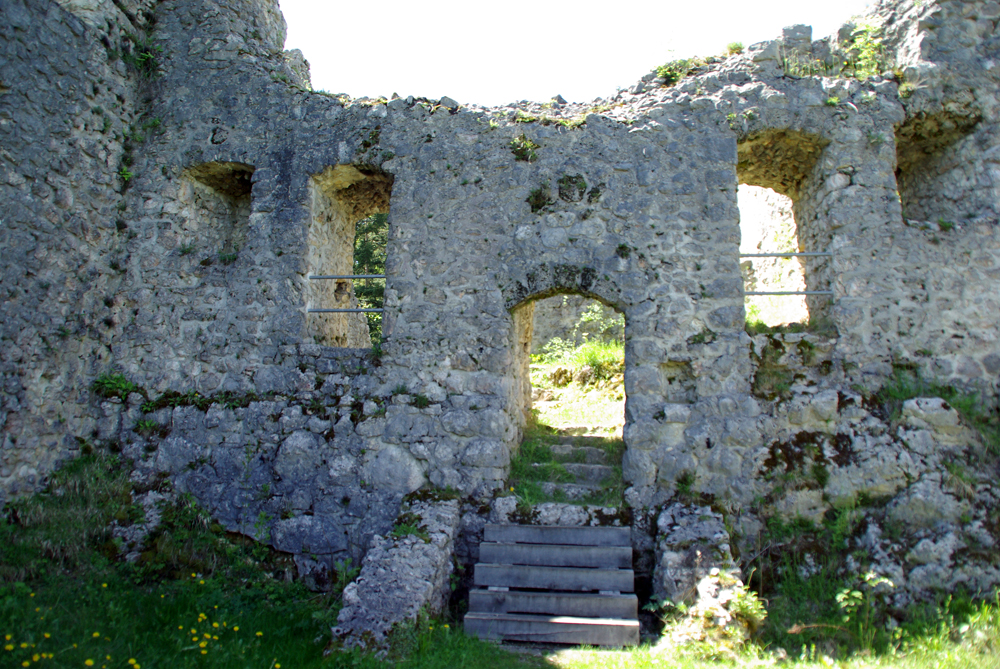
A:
(343, 311)
(347, 276)
(799, 292)
(781, 255)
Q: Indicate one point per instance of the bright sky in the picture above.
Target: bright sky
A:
(497, 52)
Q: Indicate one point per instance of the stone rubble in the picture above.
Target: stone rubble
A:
(401, 577)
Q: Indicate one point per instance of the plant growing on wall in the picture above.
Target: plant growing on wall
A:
(523, 149)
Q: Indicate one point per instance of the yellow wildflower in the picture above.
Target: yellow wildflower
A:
(260, 634)
(88, 662)
(131, 660)
(26, 664)
(9, 646)
(204, 652)
(236, 628)
(104, 585)
(36, 657)
(47, 635)
(96, 634)
(215, 624)
(203, 644)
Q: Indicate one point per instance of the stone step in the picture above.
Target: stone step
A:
(589, 474)
(584, 454)
(609, 557)
(583, 474)
(553, 629)
(579, 604)
(579, 579)
(558, 534)
(569, 491)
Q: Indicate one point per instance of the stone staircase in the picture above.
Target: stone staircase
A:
(588, 465)
(553, 584)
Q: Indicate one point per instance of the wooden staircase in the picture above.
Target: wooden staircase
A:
(570, 585)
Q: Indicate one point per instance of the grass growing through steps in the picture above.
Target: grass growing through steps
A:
(536, 463)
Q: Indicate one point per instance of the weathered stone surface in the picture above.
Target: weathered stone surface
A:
(691, 542)
(401, 576)
(179, 254)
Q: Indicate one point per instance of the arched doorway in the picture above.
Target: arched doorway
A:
(570, 360)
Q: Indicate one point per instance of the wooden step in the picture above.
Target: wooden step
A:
(554, 578)
(609, 557)
(578, 604)
(553, 629)
(557, 534)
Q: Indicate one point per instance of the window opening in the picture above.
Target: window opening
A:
(348, 236)
(767, 226)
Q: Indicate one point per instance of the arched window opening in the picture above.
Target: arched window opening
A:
(787, 222)
(348, 233)
(570, 353)
(767, 226)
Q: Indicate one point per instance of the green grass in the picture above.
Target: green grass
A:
(535, 463)
(599, 403)
(907, 383)
(200, 598)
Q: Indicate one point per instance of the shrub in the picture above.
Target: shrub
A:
(673, 71)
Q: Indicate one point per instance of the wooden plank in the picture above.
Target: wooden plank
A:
(553, 629)
(554, 578)
(554, 534)
(608, 557)
(577, 604)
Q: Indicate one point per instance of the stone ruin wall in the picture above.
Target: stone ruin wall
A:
(181, 279)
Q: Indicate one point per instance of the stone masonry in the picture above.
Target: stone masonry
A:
(169, 181)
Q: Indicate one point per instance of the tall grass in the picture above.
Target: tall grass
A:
(606, 359)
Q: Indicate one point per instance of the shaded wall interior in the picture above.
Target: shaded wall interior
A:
(937, 183)
(219, 194)
(784, 161)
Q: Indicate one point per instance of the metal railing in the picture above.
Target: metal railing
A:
(320, 277)
(787, 255)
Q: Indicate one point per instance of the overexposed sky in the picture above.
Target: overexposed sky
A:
(492, 53)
